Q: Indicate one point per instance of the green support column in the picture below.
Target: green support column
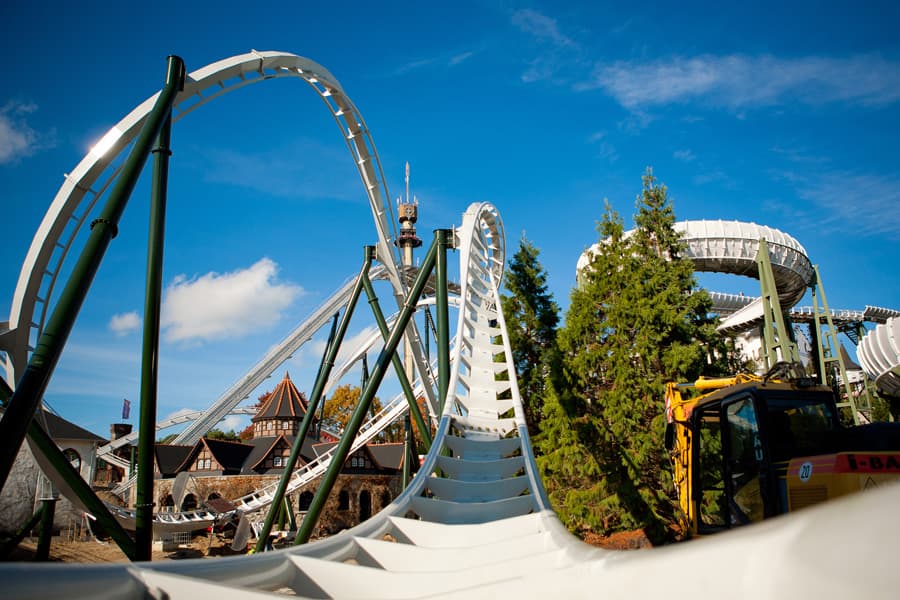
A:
(398, 365)
(43, 549)
(80, 488)
(150, 356)
(315, 398)
(331, 335)
(36, 376)
(776, 337)
(365, 399)
(828, 348)
(444, 239)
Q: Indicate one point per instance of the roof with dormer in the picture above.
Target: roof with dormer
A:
(284, 402)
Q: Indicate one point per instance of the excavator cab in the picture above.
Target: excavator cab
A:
(732, 448)
(746, 441)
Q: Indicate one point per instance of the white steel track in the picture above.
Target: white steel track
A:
(879, 355)
(475, 522)
(84, 186)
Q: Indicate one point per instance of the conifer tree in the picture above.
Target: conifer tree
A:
(531, 317)
(634, 323)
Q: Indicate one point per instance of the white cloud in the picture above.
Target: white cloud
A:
(605, 148)
(124, 323)
(444, 60)
(227, 305)
(867, 201)
(559, 51)
(739, 81)
(233, 423)
(684, 155)
(540, 26)
(17, 138)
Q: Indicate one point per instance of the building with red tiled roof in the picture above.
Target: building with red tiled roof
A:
(229, 469)
(282, 411)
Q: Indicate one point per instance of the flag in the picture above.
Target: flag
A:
(126, 408)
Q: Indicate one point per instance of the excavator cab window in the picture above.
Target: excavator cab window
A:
(710, 476)
(744, 465)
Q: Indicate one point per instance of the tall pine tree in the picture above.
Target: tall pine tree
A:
(635, 322)
(531, 319)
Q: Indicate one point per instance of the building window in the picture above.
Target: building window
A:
(189, 502)
(343, 500)
(73, 457)
(277, 461)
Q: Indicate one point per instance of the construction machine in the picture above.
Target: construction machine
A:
(750, 447)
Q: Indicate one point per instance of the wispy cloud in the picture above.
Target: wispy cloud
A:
(559, 53)
(604, 146)
(684, 155)
(225, 305)
(124, 323)
(868, 201)
(445, 60)
(17, 138)
(540, 26)
(738, 81)
(307, 169)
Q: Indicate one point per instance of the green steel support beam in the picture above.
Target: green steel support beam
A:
(10, 544)
(37, 373)
(314, 398)
(143, 521)
(829, 348)
(365, 399)
(331, 335)
(398, 365)
(73, 479)
(776, 337)
(444, 238)
(81, 489)
(42, 554)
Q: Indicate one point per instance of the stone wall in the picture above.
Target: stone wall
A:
(17, 500)
(382, 489)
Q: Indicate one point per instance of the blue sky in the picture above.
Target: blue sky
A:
(785, 114)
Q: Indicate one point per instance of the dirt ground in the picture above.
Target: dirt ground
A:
(624, 540)
(103, 552)
(202, 546)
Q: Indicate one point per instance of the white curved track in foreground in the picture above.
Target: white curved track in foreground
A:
(486, 528)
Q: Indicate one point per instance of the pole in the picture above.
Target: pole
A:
(444, 239)
(42, 554)
(356, 419)
(315, 397)
(72, 477)
(331, 334)
(143, 526)
(398, 365)
(36, 376)
(81, 489)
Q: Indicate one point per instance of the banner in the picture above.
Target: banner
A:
(126, 408)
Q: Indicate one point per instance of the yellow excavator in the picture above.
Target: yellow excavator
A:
(750, 447)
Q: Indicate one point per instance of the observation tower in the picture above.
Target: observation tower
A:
(407, 241)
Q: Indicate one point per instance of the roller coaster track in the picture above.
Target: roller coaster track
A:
(879, 355)
(476, 523)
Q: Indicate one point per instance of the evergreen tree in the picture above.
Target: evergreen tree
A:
(634, 323)
(531, 317)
